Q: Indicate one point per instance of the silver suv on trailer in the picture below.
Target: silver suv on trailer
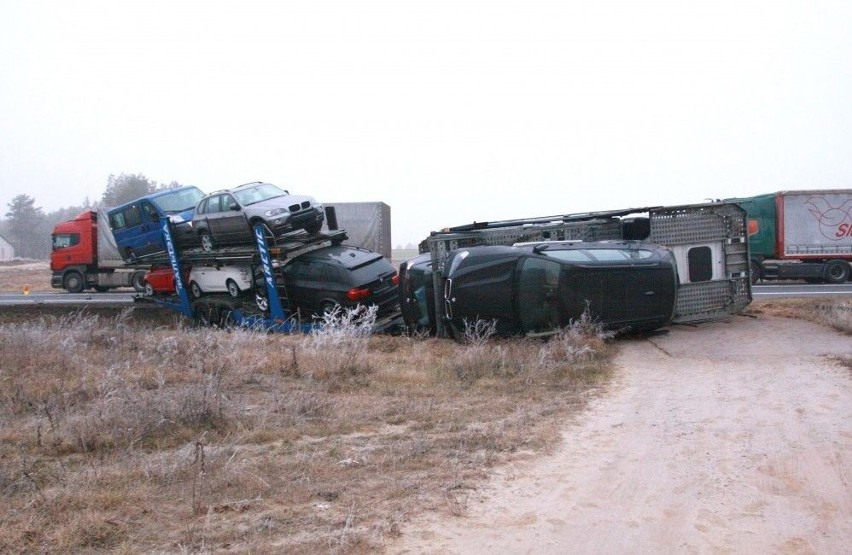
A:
(227, 217)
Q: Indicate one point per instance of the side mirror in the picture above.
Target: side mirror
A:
(234, 206)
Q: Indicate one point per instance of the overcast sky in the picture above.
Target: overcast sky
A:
(448, 111)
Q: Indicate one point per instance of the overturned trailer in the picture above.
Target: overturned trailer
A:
(709, 242)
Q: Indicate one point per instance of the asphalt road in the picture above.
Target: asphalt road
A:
(791, 290)
(61, 298)
(113, 298)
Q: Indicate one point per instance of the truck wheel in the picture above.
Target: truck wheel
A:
(756, 271)
(137, 280)
(233, 288)
(227, 321)
(836, 271)
(195, 290)
(206, 242)
(205, 315)
(74, 282)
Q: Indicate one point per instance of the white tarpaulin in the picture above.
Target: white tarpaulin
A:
(367, 224)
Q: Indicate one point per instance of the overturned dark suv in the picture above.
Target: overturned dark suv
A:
(536, 288)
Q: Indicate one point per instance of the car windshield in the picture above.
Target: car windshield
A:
(258, 193)
(178, 200)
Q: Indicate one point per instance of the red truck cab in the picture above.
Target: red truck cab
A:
(75, 262)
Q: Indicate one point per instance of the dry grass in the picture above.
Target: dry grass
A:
(18, 274)
(127, 435)
(834, 313)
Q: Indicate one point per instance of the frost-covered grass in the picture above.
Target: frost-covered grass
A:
(123, 436)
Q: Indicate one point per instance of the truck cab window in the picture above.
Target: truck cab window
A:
(65, 240)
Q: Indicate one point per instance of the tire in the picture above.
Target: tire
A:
(233, 288)
(74, 282)
(138, 281)
(261, 300)
(325, 307)
(207, 244)
(836, 271)
(149, 290)
(195, 290)
(756, 271)
(203, 316)
(227, 321)
(314, 227)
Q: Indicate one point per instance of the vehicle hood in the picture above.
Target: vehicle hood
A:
(182, 217)
(480, 285)
(281, 202)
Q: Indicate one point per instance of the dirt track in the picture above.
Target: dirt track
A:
(726, 437)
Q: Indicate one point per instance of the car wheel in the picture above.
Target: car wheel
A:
(149, 290)
(137, 280)
(195, 290)
(326, 308)
(74, 282)
(206, 242)
(233, 288)
(261, 300)
(314, 227)
(836, 271)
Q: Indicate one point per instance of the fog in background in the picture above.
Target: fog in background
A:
(449, 112)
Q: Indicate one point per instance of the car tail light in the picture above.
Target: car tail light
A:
(395, 279)
(356, 294)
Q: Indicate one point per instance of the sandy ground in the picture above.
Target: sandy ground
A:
(726, 437)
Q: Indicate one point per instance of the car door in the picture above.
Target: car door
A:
(235, 226)
(537, 301)
(301, 284)
(211, 209)
(621, 288)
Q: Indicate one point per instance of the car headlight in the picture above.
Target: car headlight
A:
(275, 212)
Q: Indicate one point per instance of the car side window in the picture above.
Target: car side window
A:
(572, 255)
(214, 204)
(228, 203)
(132, 217)
(116, 221)
(151, 213)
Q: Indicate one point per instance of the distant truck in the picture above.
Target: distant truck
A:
(800, 235)
(84, 256)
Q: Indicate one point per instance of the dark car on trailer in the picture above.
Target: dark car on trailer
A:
(336, 276)
(537, 288)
